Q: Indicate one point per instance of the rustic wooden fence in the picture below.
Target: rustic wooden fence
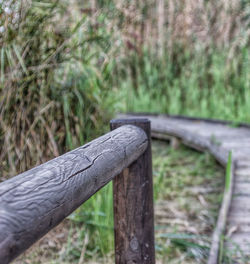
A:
(34, 202)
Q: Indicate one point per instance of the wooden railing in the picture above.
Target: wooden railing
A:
(34, 202)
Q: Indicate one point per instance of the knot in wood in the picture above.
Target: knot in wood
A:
(134, 244)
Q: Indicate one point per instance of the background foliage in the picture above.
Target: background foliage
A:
(52, 90)
(64, 70)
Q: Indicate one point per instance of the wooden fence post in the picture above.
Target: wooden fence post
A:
(133, 205)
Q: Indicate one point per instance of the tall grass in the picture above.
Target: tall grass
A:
(200, 84)
(62, 70)
(52, 90)
(185, 57)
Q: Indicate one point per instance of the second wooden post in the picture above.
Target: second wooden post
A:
(133, 205)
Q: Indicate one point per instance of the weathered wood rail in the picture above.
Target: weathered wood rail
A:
(35, 201)
(219, 138)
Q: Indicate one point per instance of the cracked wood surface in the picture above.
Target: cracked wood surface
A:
(218, 138)
(133, 205)
(37, 200)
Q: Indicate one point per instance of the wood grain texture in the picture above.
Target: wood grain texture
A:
(133, 206)
(34, 202)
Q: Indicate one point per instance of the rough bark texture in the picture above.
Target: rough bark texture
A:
(133, 207)
(34, 202)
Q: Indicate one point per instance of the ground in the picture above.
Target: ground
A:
(188, 190)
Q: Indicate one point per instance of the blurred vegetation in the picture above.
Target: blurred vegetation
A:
(52, 91)
(67, 66)
(65, 70)
(187, 57)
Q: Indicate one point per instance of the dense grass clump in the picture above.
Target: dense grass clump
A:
(63, 70)
(185, 57)
(52, 92)
(200, 84)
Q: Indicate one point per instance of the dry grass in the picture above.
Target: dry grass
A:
(50, 87)
(44, 52)
(58, 247)
(163, 24)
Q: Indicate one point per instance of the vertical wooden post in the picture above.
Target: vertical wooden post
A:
(133, 205)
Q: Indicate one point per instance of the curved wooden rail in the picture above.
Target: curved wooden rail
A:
(35, 201)
(219, 138)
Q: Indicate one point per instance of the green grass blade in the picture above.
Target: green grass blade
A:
(20, 59)
(228, 172)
